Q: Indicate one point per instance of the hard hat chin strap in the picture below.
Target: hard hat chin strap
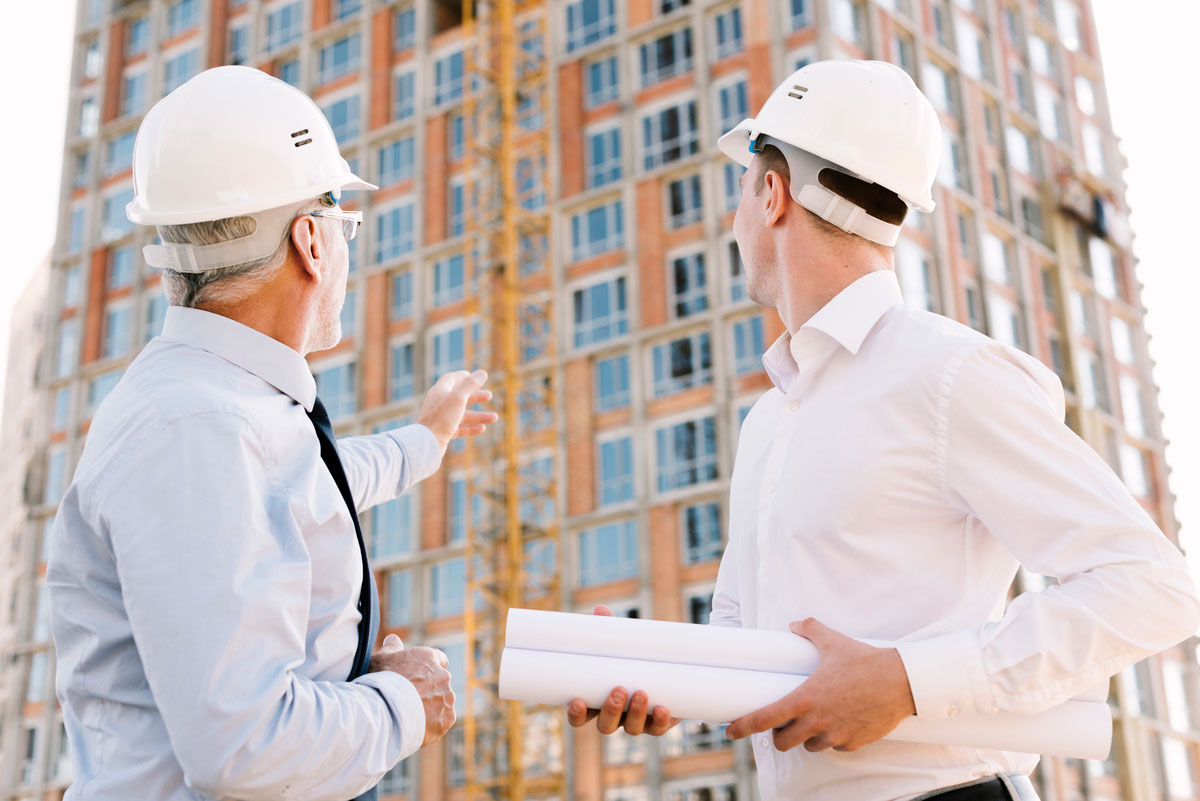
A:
(259, 244)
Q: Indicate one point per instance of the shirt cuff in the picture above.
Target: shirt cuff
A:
(404, 704)
(422, 453)
(946, 675)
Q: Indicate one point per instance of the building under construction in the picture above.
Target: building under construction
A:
(552, 207)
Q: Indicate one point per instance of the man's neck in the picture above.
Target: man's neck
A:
(806, 288)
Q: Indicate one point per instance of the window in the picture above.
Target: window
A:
(689, 288)
(29, 762)
(239, 44)
(597, 231)
(590, 21)
(83, 166)
(456, 213)
(603, 157)
(448, 78)
(971, 54)
(915, 272)
(682, 364)
(402, 295)
(62, 408)
(600, 312)
(181, 15)
(457, 517)
(1093, 149)
(685, 204)
(405, 27)
(335, 386)
(1039, 56)
(400, 376)
(531, 190)
(615, 473)
(737, 275)
(1131, 406)
(137, 37)
(670, 134)
(1005, 322)
(687, 453)
(56, 469)
(456, 142)
(701, 532)
(612, 382)
(699, 609)
(952, 171)
(448, 284)
(1020, 152)
(1049, 111)
(938, 88)
(339, 58)
(799, 14)
(285, 23)
(396, 161)
(98, 389)
(748, 345)
(1122, 341)
(405, 95)
(133, 93)
(995, 259)
(666, 57)
(847, 22)
(89, 117)
(118, 325)
(72, 286)
(902, 52)
(731, 105)
(602, 83)
(179, 69)
(398, 780)
(346, 8)
(114, 222)
(394, 232)
(68, 347)
(449, 352)
(607, 553)
(1133, 470)
(118, 155)
(289, 72)
(392, 528)
(448, 587)
(156, 313)
(1104, 267)
(732, 173)
(1085, 95)
(728, 31)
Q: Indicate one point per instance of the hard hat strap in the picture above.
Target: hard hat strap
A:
(260, 244)
(850, 217)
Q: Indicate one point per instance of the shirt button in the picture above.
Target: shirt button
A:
(771, 488)
(765, 741)
(952, 711)
(795, 406)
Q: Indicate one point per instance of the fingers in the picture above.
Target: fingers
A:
(790, 707)
(441, 658)
(635, 718)
(578, 713)
(469, 431)
(660, 722)
(795, 733)
(610, 714)
(473, 417)
(815, 632)
(481, 396)
(602, 611)
(392, 643)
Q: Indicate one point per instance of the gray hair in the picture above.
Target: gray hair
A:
(224, 284)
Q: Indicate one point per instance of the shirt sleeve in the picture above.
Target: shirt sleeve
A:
(1008, 462)
(379, 467)
(726, 608)
(215, 577)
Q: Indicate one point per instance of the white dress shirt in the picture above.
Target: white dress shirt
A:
(889, 486)
(204, 576)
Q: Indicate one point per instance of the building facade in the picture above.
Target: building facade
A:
(657, 347)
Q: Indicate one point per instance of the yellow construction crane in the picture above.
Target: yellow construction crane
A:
(513, 555)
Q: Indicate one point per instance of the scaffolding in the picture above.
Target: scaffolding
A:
(512, 554)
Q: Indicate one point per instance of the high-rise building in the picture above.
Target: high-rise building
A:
(657, 346)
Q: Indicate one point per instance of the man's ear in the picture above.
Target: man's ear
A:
(309, 248)
(778, 197)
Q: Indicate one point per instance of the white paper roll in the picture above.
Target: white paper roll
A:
(1079, 729)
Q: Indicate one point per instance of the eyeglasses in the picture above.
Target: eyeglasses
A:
(351, 220)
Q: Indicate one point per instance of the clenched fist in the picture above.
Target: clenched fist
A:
(444, 410)
(426, 669)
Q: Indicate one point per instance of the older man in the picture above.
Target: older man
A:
(900, 469)
(211, 601)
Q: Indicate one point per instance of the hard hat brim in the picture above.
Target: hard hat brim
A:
(736, 143)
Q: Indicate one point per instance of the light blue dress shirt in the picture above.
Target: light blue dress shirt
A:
(204, 577)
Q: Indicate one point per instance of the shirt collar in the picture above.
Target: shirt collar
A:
(846, 319)
(253, 351)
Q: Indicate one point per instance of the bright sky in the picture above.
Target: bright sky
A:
(1145, 56)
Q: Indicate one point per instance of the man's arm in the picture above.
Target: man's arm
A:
(380, 467)
(216, 581)
(1124, 590)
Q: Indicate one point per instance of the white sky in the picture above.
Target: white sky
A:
(1145, 54)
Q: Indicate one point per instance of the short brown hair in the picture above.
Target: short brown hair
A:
(874, 199)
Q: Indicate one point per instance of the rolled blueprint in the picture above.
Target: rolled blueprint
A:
(719, 674)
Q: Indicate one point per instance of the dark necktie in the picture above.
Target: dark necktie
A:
(368, 599)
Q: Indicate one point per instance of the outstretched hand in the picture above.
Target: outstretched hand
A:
(638, 719)
(445, 410)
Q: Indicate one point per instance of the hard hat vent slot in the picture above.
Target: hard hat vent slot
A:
(798, 91)
(301, 132)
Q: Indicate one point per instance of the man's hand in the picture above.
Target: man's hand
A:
(444, 410)
(426, 669)
(640, 719)
(857, 694)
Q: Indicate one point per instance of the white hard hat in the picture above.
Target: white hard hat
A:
(232, 141)
(864, 118)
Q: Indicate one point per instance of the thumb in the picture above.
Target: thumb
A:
(814, 631)
(392, 643)
(602, 611)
